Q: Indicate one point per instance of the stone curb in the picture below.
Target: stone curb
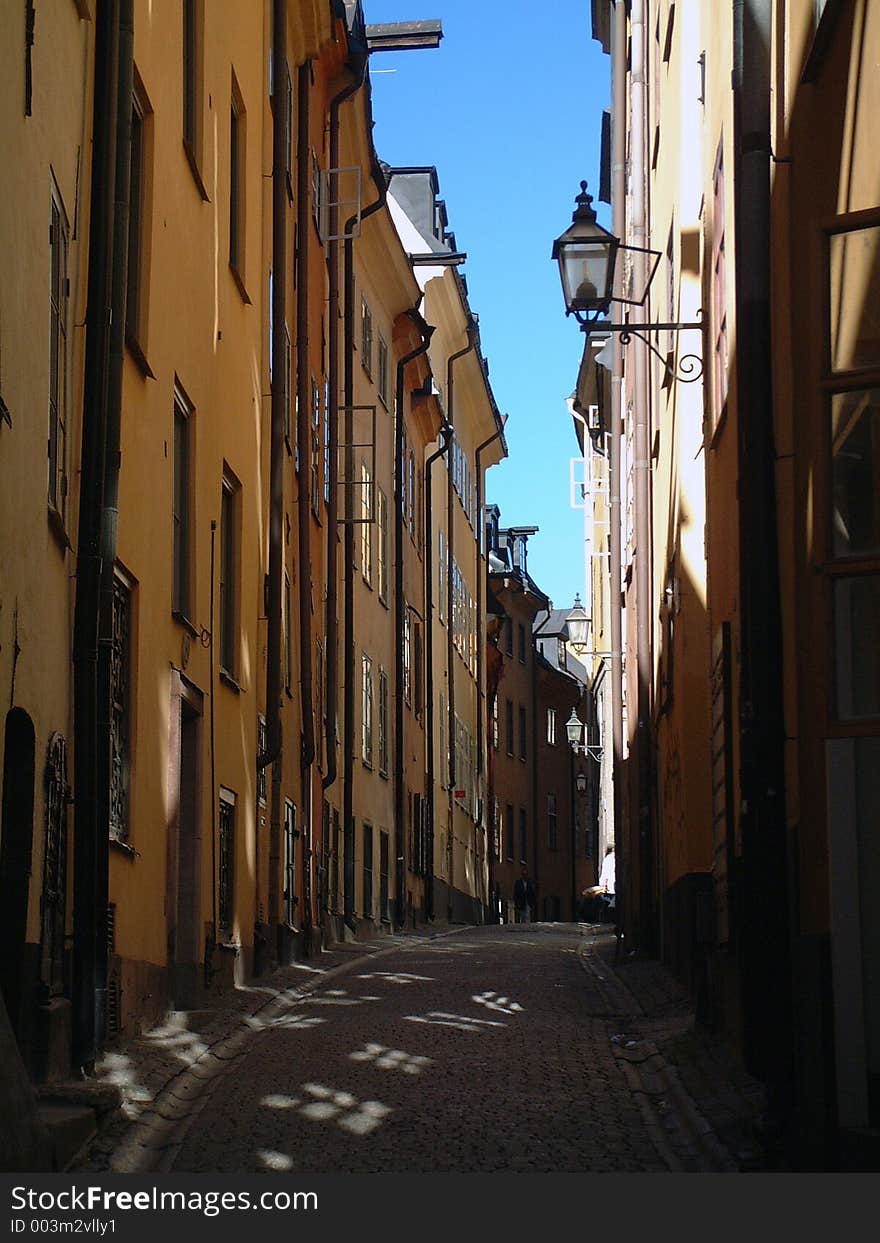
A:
(667, 1108)
(153, 1139)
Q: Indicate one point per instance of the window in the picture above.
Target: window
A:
(383, 723)
(226, 894)
(367, 710)
(853, 437)
(320, 705)
(181, 554)
(229, 510)
(368, 871)
(508, 725)
(58, 297)
(288, 638)
(407, 656)
(317, 195)
(411, 495)
(134, 293)
(523, 834)
(288, 370)
(551, 726)
(522, 732)
(719, 293)
(290, 836)
(327, 445)
(382, 371)
(262, 741)
(495, 724)
(237, 134)
(382, 530)
(366, 337)
(366, 524)
(508, 636)
(192, 55)
(509, 831)
(316, 446)
(521, 642)
(552, 825)
(120, 708)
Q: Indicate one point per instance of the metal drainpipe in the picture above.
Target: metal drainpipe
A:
(88, 922)
(331, 657)
(618, 200)
(399, 610)
(450, 629)
(348, 885)
(766, 976)
(646, 932)
(481, 629)
(110, 507)
(303, 397)
(445, 442)
(278, 417)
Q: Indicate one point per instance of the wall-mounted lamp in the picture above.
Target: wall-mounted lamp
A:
(587, 255)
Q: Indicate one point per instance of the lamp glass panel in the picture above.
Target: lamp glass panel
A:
(586, 272)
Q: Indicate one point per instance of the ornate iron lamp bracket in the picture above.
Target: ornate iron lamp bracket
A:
(687, 367)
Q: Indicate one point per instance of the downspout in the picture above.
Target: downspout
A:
(618, 201)
(88, 921)
(481, 631)
(303, 417)
(331, 657)
(399, 610)
(278, 418)
(445, 441)
(110, 507)
(472, 339)
(766, 977)
(646, 933)
(348, 851)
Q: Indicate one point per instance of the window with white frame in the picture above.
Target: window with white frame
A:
(367, 710)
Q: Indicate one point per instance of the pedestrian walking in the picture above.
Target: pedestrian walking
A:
(524, 897)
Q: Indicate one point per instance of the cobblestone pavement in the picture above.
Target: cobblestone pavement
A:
(495, 1049)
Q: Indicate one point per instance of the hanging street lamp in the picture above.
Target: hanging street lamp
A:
(587, 256)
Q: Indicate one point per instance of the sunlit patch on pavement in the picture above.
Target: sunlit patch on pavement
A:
(333, 1105)
(394, 977)
(337, 997)
(440, 1018)
(391, 1059)
(494, 1001)
(277, 1100)
(275, 1160)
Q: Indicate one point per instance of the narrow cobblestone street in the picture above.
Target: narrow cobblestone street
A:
(512, 1048)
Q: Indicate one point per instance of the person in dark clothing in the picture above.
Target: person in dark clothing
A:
(524, 897)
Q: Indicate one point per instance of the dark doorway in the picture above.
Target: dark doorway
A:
(16, 847)
(184, 848)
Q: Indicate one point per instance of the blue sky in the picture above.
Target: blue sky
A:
(508, 109)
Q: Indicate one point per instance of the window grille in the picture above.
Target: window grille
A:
(120, 723)
(54, 902)
(226, 896)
